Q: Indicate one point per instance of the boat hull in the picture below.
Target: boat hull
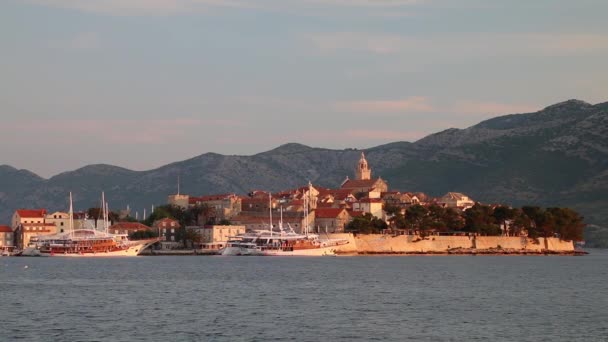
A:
(134, 249)
(321, 251)
(239, 251)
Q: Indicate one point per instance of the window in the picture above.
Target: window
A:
(172, 224)
(172, 230)
(61, 225)
(164, 231)
(172, 238)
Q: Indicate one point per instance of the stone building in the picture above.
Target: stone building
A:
(167, 229)
(223, 206)
(27, 223)
(363, 183)
(127, 228)
(456, 200)
(331, 220)
(7, 240)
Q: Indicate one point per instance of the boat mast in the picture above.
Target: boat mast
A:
(71, 217)
(106, 216)
(103, 210)
(305, 230)
(270, 210)
(281, 221)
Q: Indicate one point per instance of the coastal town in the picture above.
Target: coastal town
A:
(360, 209)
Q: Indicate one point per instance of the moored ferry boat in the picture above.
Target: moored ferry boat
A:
(240, 247)
(87, 242)
(90, 242)
(283, 244)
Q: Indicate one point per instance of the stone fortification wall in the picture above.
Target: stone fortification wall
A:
(555, 244)
(378, 243)
(375, 243)
(508, 242)
(350, 247)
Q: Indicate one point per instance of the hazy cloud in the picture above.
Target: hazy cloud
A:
(106, 131)
(491, 108)
(381, 135)
(169, 7)
(451, 45)
(81, 41)
(416, 104)
(424, 104)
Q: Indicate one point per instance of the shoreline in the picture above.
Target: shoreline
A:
(470, 252)
(385, 253)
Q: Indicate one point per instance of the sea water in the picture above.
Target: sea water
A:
(377, 298)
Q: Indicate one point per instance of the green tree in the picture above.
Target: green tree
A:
(453, 219)
(398, 221)
(366, 224)
(479, 219)
(568, 224)
(391, 210)
(502, 214)
(143, 234)
(536, 215)
(521, 223)
(435, 219)
(192, 237)
(414, 216)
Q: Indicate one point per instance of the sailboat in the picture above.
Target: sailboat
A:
(90, 242)
(286, 243)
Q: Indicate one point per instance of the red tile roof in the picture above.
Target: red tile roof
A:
(213, 197)
(129, 226)
(370, 200)
(359, 183)
(165, 222)
(29, 213)
(6, 229)
(355, 213)
(328, 212)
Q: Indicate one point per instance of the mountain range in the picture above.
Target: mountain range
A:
(557, 156)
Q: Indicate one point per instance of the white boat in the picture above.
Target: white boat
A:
(88, 242)
(290, 243)
(239, 247)
(286, 243)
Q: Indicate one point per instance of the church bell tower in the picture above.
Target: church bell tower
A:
(363, 172)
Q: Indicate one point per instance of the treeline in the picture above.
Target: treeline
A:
(479, 219)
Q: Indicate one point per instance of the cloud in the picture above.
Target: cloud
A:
(491, 108)
(108, 131)
(81, 41)
(379, 134)
(171, 7)
(368, 42)
(416, 104)
(453, 45)
(424, 104)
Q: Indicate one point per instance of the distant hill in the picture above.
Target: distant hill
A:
(555, 157)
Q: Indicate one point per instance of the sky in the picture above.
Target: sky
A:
(143, 83)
